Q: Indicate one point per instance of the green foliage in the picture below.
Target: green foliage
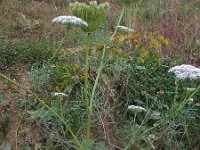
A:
(25, 1)
(3, 101)
(5, 24)
(25, 52)
(21, 103)
(135, 72)
(39, 77)
(5, 145)
(148, 84)
(63, 76)
(126, 2)
(5, 117)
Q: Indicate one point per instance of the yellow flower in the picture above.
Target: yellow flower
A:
(161, 38)
(133, 36)
(154, 44)
(144, 53)
(122, 38)
(125, 38)
(138, 45)
(155, 32)
(164, 40)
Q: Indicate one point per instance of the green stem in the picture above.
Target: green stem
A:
(92, 96)
(176, 91)
(134, 118)
(49, 108)
(90, 107)
(86, 75)
(186, 99)
(118, 23)
(62, 41)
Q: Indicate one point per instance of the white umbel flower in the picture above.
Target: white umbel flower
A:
(69, 20)
(198, 42)
(136, 108)
(140, 68)
(62, 94)
(129, 30)
(185, 71)
(191, 89)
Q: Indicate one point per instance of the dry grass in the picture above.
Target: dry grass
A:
(178, 21)
(41, 12)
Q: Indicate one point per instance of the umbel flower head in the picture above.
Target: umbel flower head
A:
(62, 94)
(69, 20)
(136, 109)
(186, 71)
(93, 14)
(126, 29)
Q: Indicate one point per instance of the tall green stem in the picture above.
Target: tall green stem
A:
(90, 107)
(86, 74)
(176, 91)
(92, 96)
(49, 108)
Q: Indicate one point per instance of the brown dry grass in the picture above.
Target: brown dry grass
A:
(179, 22)
(34, 11)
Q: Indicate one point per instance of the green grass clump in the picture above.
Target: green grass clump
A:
(25, 52)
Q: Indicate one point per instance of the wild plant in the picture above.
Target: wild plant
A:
(89, 25)
(128, 96)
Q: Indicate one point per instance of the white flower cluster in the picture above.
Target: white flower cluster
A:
(140, 68)
(136, 108)
(69, 20)
(191, 89)
(186, 71)
(62, 94)
(198, 42)
(129, 30)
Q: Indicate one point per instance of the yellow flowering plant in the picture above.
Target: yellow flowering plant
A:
(143, 46)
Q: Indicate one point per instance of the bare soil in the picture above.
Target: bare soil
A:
(18, 132)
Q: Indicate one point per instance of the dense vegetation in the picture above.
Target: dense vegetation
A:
(102, 82)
